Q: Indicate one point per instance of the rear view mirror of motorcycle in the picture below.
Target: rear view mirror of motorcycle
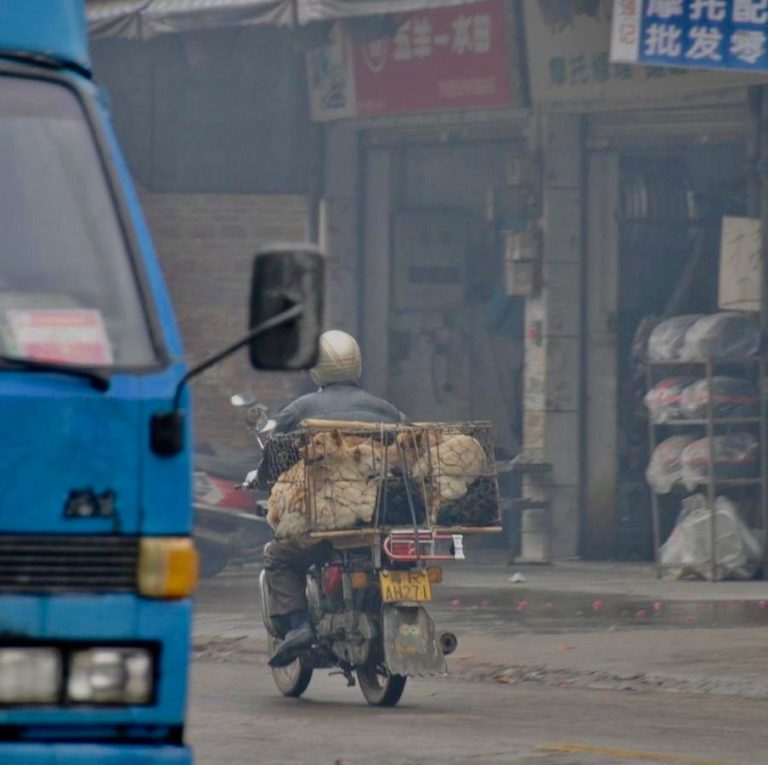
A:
(287, 296)
(256, 418)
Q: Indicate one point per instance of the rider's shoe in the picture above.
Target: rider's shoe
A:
(296, 640)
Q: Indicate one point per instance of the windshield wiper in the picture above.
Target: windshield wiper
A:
(98, 380)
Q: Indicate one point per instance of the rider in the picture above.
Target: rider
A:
(340, 397)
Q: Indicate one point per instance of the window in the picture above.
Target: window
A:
(67, 288)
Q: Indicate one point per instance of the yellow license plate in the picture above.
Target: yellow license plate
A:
(399, 586)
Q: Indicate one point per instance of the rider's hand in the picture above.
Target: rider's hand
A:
(251, 480)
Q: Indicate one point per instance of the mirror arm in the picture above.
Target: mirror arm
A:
(275, 321)
(166, 431)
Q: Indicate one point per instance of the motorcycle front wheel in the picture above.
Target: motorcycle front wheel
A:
(213, 558)
(292, 680)
(379, 687)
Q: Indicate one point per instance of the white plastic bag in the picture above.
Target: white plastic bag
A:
(731, 397)
(665, 470)
(688, 550)
(720, 336)
(736, 456)
(664, 400)
(666, 341)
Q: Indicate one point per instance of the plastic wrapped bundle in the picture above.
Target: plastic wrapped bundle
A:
(666, 468)
(688, 550)
(663, 401)
(722, 336)
(731, 397)
(736, 456)
(666, 341)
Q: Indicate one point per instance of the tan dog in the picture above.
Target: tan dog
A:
(452, 462)
(338, 475)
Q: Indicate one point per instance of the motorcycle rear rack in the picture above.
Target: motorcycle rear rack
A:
(410, 545)
(365, 537)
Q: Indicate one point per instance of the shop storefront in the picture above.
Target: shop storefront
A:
(422, 186)
(648, 161)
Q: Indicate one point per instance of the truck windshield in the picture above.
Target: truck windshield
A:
(68, 292)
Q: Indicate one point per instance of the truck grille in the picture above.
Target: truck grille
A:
(65, 563)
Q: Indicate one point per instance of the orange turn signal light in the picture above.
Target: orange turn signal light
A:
(434, 574)
(359, 580)
(168, 567)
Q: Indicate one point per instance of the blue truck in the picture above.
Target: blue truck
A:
(96, 562)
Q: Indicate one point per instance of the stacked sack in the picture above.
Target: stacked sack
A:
(696, 337)
(688, 461)
(683, 460)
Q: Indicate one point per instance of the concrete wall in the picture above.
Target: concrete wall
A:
(553, 345)
(339, 227)
(205, 243)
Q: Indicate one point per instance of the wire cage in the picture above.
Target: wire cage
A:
(333, 477)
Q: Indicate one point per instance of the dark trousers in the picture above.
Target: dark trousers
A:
(286, 564)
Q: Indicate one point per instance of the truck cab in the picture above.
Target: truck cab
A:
(96, 563)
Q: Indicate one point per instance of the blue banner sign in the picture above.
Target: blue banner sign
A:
(709, 34)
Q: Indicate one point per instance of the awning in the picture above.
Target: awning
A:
(323, 10)
(145, 18)
(140, 19)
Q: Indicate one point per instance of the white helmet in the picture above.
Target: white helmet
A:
(339, 359)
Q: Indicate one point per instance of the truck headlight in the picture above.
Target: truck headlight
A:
(110, 676)
(30, 675)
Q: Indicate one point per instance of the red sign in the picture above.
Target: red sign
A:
(68, 336)
(442, 59)
(446, 58)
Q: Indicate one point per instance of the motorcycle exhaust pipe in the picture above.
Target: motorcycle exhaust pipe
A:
(448, 643)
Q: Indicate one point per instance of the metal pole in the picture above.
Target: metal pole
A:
(711, 484)
(654, 496)
(761, 372)
(761, 134)
(763, 178)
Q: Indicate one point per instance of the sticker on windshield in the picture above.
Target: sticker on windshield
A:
(64, 336)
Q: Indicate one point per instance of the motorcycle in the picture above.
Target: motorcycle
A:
(229, 524)
(367, 608)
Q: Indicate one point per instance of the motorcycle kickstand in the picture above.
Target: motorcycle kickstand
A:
(345, 668)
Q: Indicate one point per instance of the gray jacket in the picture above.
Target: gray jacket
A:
(338, 401)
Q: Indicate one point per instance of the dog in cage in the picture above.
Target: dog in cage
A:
(448, 462)
(333, 486)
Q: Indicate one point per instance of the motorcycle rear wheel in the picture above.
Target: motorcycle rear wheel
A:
(292, 680)
(379, 687)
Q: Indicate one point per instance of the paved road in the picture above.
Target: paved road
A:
(237, 717)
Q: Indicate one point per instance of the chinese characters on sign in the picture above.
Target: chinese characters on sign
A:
(583, 69)
(468, 34)
(569, 61)
(714, 34)
(439, 59)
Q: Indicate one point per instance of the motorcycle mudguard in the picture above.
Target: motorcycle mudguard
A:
(411, 646)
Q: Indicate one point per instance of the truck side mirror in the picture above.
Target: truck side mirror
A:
(285, 276)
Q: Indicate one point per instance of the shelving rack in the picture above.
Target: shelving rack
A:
(755, 366)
